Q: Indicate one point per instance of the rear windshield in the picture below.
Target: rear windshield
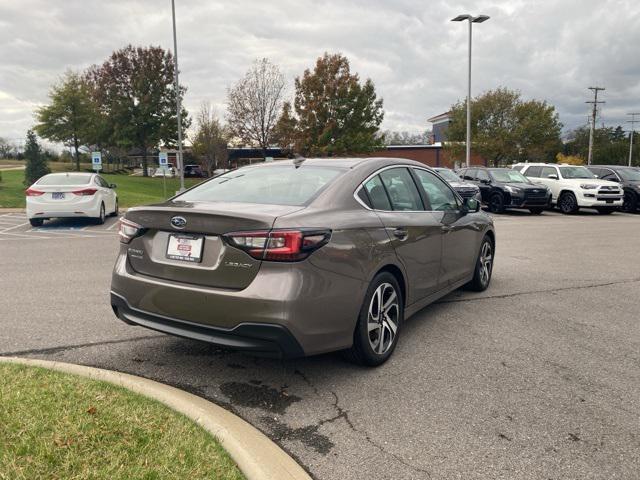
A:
(64, 179)
(273, 185)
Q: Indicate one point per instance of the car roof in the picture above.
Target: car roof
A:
(347, 162)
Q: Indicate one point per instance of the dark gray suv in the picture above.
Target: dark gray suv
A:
(301, 257)
(627, 177)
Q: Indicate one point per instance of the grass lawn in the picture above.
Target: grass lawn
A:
(132, 191)
(59, 426)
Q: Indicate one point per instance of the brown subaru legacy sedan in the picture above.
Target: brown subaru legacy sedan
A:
(300, 257)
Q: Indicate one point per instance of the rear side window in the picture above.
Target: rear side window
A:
(546, 171)
(272, 185)
(64, 179)
(377, 194)
(533, 172)
(401, 189)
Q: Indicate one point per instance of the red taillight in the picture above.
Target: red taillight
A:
(85, 191)
(33, 193)
(129, 230)
(279, 245)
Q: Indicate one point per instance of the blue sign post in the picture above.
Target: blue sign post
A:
(96, 161)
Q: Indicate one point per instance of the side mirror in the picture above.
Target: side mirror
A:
(113, 185)
(485, 181)
(553, 176)
(471, 205)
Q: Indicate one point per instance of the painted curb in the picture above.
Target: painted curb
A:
(255, 454)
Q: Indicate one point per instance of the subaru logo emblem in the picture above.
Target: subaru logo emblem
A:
(178, 222)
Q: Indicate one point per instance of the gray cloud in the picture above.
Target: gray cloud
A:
(417, 58)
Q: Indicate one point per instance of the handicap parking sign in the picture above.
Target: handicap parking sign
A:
(163, 159)
(96, 160)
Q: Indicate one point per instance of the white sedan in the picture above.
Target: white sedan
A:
(76, 195)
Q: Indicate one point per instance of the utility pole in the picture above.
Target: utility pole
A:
(633, 122)
(177, 88)
(593, 120)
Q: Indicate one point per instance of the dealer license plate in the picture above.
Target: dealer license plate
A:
(187, 248)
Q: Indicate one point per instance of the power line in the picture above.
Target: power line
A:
(633, 122)
(595, 103)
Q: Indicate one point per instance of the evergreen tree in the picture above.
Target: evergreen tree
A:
(36, 162)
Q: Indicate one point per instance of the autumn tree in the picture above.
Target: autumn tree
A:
(335, 114)
(69, 115)
(135, 90)
(36, 162)
(285, 133)
(505, 128)
(210, 139)
(254, 104)
(610, 145)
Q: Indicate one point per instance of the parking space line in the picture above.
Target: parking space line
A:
(21, 235)
(14, 227)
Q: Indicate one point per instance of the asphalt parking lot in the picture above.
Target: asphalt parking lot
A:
(538, 377)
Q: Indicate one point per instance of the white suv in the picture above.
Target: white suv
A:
(573, 187)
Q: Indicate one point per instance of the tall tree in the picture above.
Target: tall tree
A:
(36, 163)
(69, 115)
(137, 96)
(210, 140)
(336, 113)
(504, 128)
(254, 104)
(285, 132)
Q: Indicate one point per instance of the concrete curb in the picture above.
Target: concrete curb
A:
(257, 456)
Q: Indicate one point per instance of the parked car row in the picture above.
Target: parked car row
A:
(540, 186)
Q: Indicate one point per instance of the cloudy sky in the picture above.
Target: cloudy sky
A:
(547, 49)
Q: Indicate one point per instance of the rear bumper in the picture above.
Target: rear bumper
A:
(263, 339)
(81, 208)
(317, 308)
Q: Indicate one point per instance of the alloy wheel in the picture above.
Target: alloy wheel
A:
(486, 261)
(567, 203)
(383, 318)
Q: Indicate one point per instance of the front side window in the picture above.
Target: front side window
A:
(508, 176)
(546, 171)
(441, 197)
(272, 185)
(469, 174)
(482, 175)
(401, 189)
(630, 174)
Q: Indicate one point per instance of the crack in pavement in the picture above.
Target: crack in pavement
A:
(534, 292)
(64, 348)
(344, 414)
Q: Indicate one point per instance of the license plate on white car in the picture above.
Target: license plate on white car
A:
(57, 195)
(187, 248)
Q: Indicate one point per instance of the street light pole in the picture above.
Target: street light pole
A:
(177, 89)
(471, 20)
(633, 122)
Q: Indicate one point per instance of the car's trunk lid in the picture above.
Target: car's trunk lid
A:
(220, 265)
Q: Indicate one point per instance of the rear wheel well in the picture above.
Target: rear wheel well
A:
(397, 273)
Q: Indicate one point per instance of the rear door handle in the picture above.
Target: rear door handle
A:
(446, 228)
(401, 233)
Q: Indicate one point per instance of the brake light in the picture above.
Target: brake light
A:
(30, 192)
(129, 230)
(279, 245)
(85, 191)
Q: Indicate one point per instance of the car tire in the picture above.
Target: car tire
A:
(36, 222)
(605, 210)
(484, 266)
(567, 203)
(101, 218)
(630, 202)
(537, 210)
(374, 338)
(496, 203)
